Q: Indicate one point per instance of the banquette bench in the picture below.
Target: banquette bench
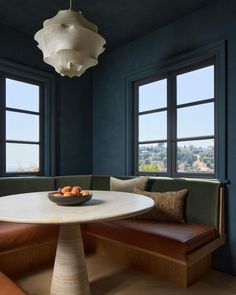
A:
(180, 252)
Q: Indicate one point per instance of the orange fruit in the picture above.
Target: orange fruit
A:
(77, 187)
(75, 191)
(66, 189)
(68, 194)
(85, 194)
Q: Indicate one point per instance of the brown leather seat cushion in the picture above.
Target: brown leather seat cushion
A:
(7, 287)
(171, 239)
(15, 235)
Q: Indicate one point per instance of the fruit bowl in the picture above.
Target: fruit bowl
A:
(69, 200)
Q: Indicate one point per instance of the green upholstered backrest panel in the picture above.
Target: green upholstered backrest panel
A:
(202, 201)
(202, 204)
(85, 181)
(17, 185)
(102, 182)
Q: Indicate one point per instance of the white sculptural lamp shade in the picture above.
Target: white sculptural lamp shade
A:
(70, 43)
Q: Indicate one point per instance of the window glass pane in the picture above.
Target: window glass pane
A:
(195, 156)
(196, 120)
(153, 96)
(20, 95)
(153, 157)
(195, 85)
(21, 126)
(153, 126)
(22, 157)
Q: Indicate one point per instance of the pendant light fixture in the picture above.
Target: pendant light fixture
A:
(70, 43)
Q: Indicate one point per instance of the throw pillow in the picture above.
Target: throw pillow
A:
(169, 206)
(128, 185)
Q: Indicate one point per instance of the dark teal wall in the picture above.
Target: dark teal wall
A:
(202, 28)
(75, 125)
(73, 104)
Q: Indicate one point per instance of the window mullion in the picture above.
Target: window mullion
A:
(42, 131)
(136, 128)
(2, 123)
(23, 142)
(217, 116)
(2, 93)
(21, 111)
(172, 123)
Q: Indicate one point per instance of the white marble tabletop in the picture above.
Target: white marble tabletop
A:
(105, 205)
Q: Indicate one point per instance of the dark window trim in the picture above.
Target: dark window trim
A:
(216, 51)
(27, 74)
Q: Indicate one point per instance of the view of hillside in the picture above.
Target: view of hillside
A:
(190, 158)
(19, 167)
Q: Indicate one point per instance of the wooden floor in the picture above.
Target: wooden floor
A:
(108, 278)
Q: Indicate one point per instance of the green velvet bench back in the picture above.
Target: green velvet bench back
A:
(202, 206)
(18, 185)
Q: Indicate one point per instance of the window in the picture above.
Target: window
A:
(23, 126)
(176, 123)
(25, 142)
(195, 126)
(152, 126)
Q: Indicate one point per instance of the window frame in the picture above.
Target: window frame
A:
(45, 81)
(216, 51)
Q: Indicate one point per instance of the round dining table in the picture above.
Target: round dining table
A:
(70, 275)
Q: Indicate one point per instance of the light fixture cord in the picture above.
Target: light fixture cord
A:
(70, 4)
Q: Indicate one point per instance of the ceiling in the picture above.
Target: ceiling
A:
(118, 21)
